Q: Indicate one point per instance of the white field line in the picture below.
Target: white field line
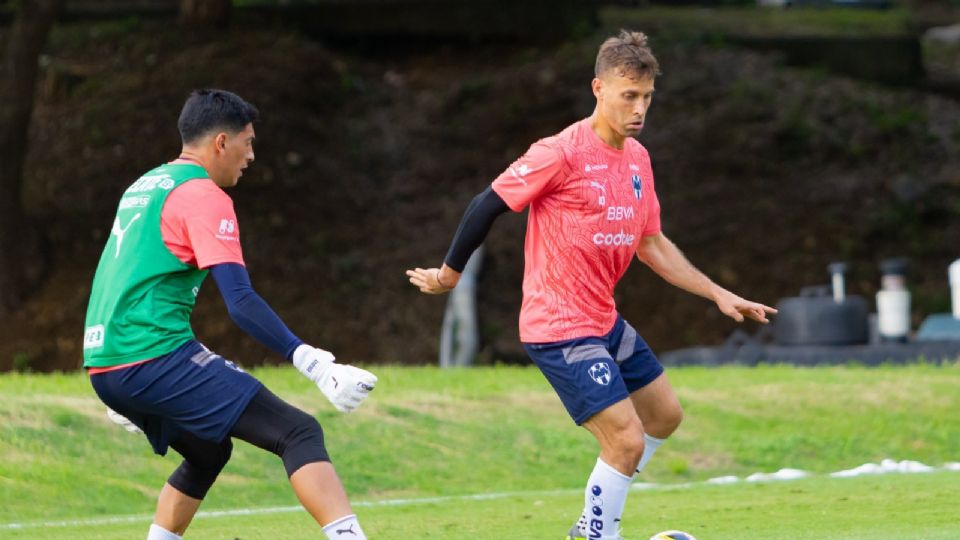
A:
(145, 518)
(886, 467)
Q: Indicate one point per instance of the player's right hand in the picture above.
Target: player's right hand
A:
(345, 386)
(122, 421)
(428, 280)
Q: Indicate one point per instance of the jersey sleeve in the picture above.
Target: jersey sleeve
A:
(199, 225)
(537, 172)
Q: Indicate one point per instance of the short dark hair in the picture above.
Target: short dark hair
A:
(207, 110)
(629, 52)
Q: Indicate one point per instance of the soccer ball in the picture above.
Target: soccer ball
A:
(672, 535)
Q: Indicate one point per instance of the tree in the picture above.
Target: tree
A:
(22, 260)
(209, 13)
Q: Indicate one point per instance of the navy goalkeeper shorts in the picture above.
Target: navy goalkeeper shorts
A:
(190, 389)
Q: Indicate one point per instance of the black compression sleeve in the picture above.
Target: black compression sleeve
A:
(474, 226)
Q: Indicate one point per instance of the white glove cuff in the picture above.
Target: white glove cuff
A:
(311, 361)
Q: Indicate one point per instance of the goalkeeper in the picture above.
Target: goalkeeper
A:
(173, 226)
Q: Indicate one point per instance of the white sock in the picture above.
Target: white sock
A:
(159, 533)
(345, 527)
(604, 499)
(650, 445)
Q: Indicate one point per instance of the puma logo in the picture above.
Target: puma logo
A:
(347, 530)
(120, 232)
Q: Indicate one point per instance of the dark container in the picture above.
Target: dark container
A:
(816, 319)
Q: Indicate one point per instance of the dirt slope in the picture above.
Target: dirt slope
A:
(366, 161)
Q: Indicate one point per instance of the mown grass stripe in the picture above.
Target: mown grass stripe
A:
(400, 502)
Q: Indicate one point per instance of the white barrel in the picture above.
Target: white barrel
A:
(954, 273)
(893, 314)
(839, 291)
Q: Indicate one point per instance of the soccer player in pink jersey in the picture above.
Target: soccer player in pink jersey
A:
(593, 207)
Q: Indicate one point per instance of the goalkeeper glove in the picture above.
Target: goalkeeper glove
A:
(345, 386)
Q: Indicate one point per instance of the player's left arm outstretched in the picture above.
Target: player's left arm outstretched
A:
(666, 259)
(474, 226)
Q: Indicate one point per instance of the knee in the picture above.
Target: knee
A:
(666, 421)
(629, 443)
(211, 463)
(673, 418)
(303, 444)
(196, 475)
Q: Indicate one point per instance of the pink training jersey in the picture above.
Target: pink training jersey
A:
(199, 225)
(590, 204)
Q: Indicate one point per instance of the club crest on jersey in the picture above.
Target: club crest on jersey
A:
(637, 186)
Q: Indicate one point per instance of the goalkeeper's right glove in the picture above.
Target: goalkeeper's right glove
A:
(345, 386)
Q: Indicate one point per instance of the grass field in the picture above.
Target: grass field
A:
(451, 435)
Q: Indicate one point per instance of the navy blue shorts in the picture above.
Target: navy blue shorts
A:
(188, 390)
(592, 373)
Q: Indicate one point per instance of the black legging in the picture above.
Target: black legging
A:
(269, 423)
